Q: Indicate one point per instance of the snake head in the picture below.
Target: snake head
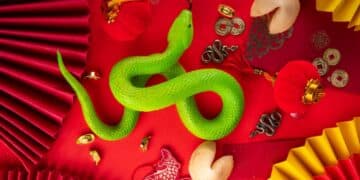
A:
(181, 31)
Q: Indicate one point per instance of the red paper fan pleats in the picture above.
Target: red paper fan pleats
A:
(345, 169)
(46, 174)
(34, 97)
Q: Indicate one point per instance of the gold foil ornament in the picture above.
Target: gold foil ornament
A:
(86, 139)
(95, 156)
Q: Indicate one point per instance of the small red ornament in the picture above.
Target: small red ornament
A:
(292, 84)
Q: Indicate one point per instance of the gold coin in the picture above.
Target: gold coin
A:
(321, 66)
(223, 26)
(332, 56)
(238, 26)
(339, 78)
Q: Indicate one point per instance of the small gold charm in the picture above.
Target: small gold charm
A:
(95, 156)
(86, 139)
(93, 75)
(313, 92)
(145, 143)
(226, 10)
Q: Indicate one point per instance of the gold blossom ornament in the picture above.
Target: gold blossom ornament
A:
(86, 139)
(203, 167)
(283, 13)
(95, 156)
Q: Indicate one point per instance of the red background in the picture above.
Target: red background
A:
(121, 158)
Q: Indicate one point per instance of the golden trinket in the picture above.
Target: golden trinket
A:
(86, 139)
(145, 143)
(95, 156)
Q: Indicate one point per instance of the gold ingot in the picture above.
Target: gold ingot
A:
(145, 143)
(95, 156)
(86, 139)
(313, 92)
(226, 10)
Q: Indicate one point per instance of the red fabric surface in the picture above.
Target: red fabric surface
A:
(36, 174)
(255, 160)
(121, 158)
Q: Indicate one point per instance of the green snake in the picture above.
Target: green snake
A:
(127, 83)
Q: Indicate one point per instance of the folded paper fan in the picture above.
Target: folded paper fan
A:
(34, 98)
(342, 11)
(332, 155)
(46, 174)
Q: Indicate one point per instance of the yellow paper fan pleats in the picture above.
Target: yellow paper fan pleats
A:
(334, 144)
(342, 11)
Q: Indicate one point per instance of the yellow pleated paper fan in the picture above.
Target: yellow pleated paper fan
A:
(335, 144)
(342, 11)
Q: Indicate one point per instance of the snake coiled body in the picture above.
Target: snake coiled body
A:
(128, 78)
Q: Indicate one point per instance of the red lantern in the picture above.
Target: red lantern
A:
(297, 86)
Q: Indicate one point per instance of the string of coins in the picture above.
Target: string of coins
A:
(268, 123)
(331, 57)
(228, 23)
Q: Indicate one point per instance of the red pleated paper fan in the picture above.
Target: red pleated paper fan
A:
(34, 97)
(45, 174)
(290, 85)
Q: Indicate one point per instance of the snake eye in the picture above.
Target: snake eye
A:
(189, 26)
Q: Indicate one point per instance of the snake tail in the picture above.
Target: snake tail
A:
(104, 131)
